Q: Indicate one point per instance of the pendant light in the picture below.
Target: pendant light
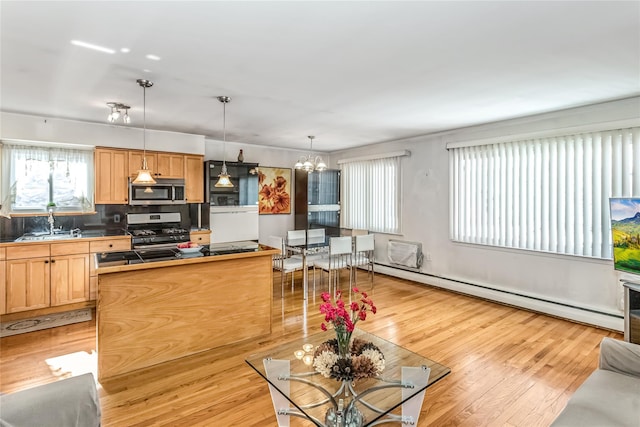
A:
(310, 163)
(223, 178)
(144, 175)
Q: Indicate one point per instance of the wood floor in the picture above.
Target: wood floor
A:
(509, 367)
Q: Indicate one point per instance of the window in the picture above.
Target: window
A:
(544, 194)
(371, 190)
(35, 177)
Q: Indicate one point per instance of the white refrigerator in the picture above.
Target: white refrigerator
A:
(233, 223)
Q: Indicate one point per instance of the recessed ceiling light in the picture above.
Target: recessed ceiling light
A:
(153, 57)
(125, 50)
(146, 70)
(92, 46)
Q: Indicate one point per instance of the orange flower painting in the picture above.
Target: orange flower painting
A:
(274, 190)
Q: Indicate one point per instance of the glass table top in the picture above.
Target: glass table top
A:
(289, 370)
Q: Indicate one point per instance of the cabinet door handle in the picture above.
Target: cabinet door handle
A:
(53, 261)
(46, 262)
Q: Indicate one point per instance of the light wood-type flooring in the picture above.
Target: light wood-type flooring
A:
(509, 367)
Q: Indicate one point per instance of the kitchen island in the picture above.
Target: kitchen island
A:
(157, 310)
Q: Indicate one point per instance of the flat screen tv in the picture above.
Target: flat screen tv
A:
(625, 232)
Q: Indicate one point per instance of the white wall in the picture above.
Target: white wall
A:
(502, 274)
(46, 129)
(270, 225)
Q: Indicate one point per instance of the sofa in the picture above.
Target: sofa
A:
(71, 402)
(610, 396)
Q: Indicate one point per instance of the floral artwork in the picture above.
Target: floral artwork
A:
(274, 191)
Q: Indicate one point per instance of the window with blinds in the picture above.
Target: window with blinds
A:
(545, 194)
(371, 194)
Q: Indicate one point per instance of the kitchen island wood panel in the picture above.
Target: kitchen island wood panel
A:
(153, 313)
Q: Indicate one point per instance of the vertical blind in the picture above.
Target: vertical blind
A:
(371, 195)
(545, 194)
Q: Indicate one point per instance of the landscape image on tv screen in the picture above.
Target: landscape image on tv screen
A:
(625, 231)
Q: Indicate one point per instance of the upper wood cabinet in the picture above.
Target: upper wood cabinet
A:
(135, 162)
(194, 178)
(111, 171)
(170, 165)
(161, 165)
(114, 167)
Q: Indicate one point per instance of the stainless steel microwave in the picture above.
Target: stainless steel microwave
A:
(163, 192)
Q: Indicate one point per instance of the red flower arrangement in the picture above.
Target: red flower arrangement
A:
(339, 358)
(344, 318)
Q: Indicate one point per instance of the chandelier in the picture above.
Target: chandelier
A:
(223, 178)
(310, 163)
(144, 175)
(116, 112)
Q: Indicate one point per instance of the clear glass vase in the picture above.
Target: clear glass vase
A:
(344, 343)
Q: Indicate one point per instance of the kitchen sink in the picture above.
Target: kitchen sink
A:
(29, 237)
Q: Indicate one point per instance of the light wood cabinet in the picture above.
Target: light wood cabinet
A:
(114, 167)
(194, 178)
(69, 272)
(28, 284)
(170, 165)
(160, 164)
(3, 283)
(46, 275)
(135, 162)
(69, 279)
(111, 171)
(201, 237)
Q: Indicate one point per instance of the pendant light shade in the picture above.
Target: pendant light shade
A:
(144, 175)
(223, 179)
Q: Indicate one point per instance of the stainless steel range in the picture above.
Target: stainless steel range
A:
(156, 230)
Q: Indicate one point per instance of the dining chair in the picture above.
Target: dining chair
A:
(363, 256)
(297, 236)
(282, 262)
(339, 257)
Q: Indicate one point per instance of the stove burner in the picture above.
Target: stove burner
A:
(174, 230)
(143, 232)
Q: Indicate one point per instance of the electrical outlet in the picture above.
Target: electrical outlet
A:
(116, 218)
(428, 256)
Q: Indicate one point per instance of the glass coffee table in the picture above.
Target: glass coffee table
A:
(297, 390)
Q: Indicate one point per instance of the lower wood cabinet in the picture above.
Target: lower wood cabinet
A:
(28, 284)
(201, 237)
(69, 279)
(3, 282)
(44, 275)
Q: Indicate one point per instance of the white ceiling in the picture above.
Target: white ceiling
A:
(350, 73)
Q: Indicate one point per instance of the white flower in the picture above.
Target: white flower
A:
(324, 362)
(376, 358)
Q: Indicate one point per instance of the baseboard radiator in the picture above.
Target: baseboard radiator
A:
(405, 254)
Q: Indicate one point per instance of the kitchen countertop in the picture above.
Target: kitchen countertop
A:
(89, 234)
(111, 262)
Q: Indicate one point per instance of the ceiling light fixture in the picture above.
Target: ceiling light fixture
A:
(116, 111)
(310, 163)
(92, 46)
(144, 175)
(223, 178)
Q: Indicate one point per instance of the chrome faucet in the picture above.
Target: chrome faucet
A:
(50, 221)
